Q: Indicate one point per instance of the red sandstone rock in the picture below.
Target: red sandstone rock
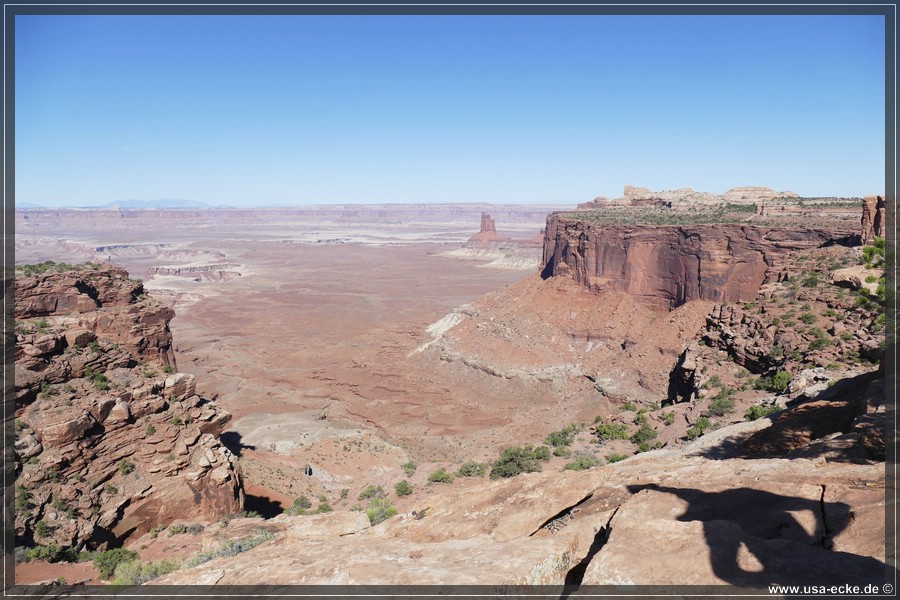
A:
(96, 428)
(669, 265)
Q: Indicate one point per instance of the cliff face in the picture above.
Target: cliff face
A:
(110, 441)
(667, 266)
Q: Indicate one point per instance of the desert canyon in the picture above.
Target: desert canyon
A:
(664, 389)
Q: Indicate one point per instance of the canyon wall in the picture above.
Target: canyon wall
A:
(667, 266)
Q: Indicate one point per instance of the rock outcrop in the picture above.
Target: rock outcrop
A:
(487, 235)
(873, 219)
(110, 440)
(674, 517)
(670, 265)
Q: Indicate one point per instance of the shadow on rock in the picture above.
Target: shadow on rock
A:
(756, 538)
(232, 441)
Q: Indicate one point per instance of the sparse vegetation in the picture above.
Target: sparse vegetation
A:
(409, 468)
(611, 431)
(721, 405)
(440, 476)
(106, 562)
(372, 491)
(581, 463)
(563, 437)
(777, 383)
(135, 572)
(380, 510)
(699, 428)
(472, 469)
(301, 505)
(514, 461)
(231, 547)
(758, 411)
(614, 458)
(403, 488)
(644, 434)
(126, 467)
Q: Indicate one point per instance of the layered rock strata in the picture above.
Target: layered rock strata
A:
(668, 266)
(110, 440)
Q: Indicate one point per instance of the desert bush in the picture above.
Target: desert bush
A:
(403, 488)
(563, 437)
(670, 417)
(440, 476)
(323, 507)
(106, 562)
(51, 553)
(231, 548)
(472, 469)
(409, 468)
(721, 405)
(777, 383)
(125, 467)
(757, 411)
(611, 431)
(372, 491)
(628, 406)
(135, 572)
(644, 434)
(562, 451)
(380, 510)
(808, 318)
(300, 506)
(581, 463)
(514, 461)
(614, 458)
(699, 428)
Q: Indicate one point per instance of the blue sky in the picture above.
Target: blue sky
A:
(290, 110)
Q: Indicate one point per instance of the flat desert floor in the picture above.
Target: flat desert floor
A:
(311, 343)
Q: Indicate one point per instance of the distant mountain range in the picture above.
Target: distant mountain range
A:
(160, 203)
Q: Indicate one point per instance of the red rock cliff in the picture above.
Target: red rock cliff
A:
(669, 265)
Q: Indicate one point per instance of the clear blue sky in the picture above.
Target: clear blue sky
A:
(257, 110)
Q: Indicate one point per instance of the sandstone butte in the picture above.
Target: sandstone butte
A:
(797, 497)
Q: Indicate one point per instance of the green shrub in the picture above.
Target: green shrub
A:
(808, 318)
(125, 467)
(231, 548)
(403, 488)
(777, 383)
(581, 463)
(135, 572)
(640, 419)
(52, 553)
(721, 406)
(41, 529)
(409, 468)
(644, 434)
(323, 507)
(699, 428)
(614, 458)
(811, 280)
(670, 417)
(514, 461)
(106, 562)
(562, 451)
(372, 491)
(628, 406)
(757, 411)
(150, 429)
(611, 431)
(380, 510)
(440, 476)
(300, 506)
(563, 437)
(472, 469)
